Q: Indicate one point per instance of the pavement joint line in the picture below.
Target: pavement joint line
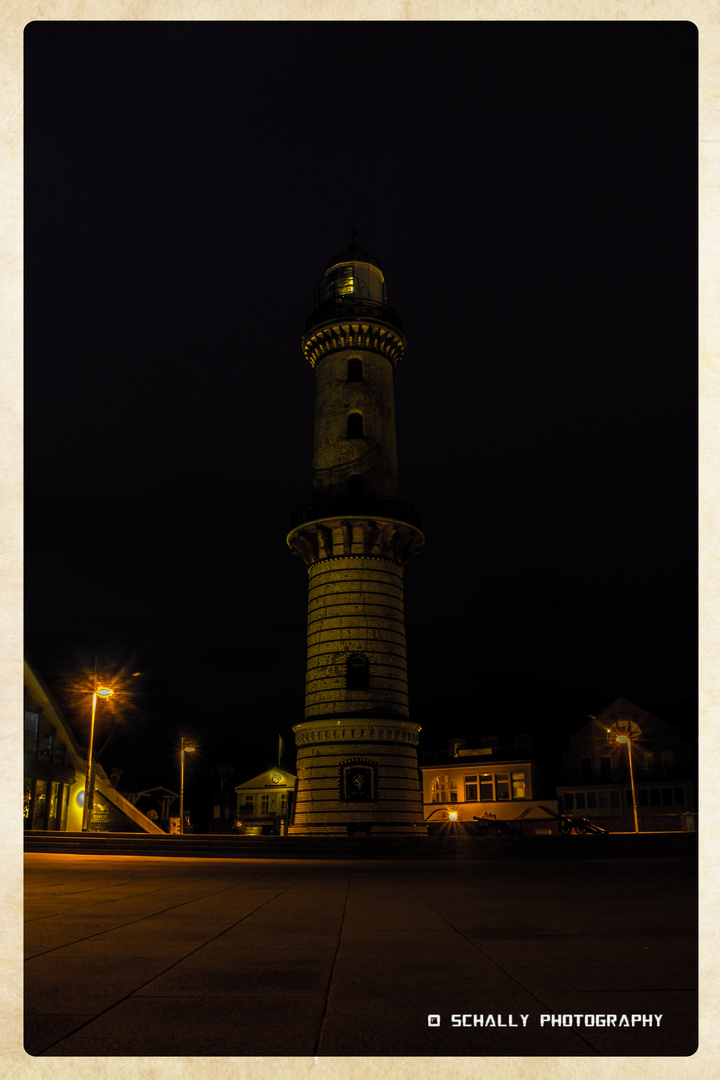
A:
(171, 966)
(144, 918)
(316, 1047)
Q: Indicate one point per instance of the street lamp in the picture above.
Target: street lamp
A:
(185, 748)
(102, 692)
(626, 739)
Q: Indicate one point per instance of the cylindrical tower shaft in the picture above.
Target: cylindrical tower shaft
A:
(357, 757)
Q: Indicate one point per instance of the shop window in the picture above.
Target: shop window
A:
(569, 800)
(487, 793)
(54, 805)
(27, 804)
(355, 371)
(615, 799)
(355, 426)
(471, 789)
(679, 796)
(580, 800)
(39, 805)
(518, 785)
(592, 800)
(667, 796)
(65, 805)
(602, 798)
(357, 674)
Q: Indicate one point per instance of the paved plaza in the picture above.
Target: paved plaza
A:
(242, 957)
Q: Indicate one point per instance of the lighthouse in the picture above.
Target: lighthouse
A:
(357, 769)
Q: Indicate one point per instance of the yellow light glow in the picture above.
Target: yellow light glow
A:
(453, 815)
(621, 738)
(104, 691)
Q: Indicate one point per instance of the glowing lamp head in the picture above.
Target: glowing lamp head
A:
(621, 738)
(104, 691)
(453, 815)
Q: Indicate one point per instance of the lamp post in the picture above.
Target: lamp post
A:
(102, 692)
(626, 739)
(185, 748)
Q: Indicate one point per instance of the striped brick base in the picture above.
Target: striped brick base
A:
(353, 785)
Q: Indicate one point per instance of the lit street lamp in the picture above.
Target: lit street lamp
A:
(185, 748)
(102, 692)
(626, 739)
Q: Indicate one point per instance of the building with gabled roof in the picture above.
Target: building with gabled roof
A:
(266, 798)
(596, 776)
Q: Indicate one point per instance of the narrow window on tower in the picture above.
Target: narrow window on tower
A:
(355, 371)
(354, 426)
(357, 673)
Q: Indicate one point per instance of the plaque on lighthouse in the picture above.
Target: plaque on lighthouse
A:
(357, 744)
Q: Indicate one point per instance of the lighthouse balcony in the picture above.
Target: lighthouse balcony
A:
(362, 506)
(345, 307)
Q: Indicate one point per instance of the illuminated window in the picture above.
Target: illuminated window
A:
(471, 789)
(354, 426)
(518, 785)
(443, 789)
(343, 282)
(357, 674)
(487, 793)
(502, 786)
(355, 371)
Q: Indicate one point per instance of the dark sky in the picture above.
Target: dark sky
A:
(529, 190)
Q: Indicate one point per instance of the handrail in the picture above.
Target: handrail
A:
(346, 307)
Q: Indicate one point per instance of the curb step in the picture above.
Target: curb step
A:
(312, 847)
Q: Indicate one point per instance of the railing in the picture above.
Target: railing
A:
(347, 308)
(366, 505)
(501, 753)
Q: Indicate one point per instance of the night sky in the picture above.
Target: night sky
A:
(529, 190)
